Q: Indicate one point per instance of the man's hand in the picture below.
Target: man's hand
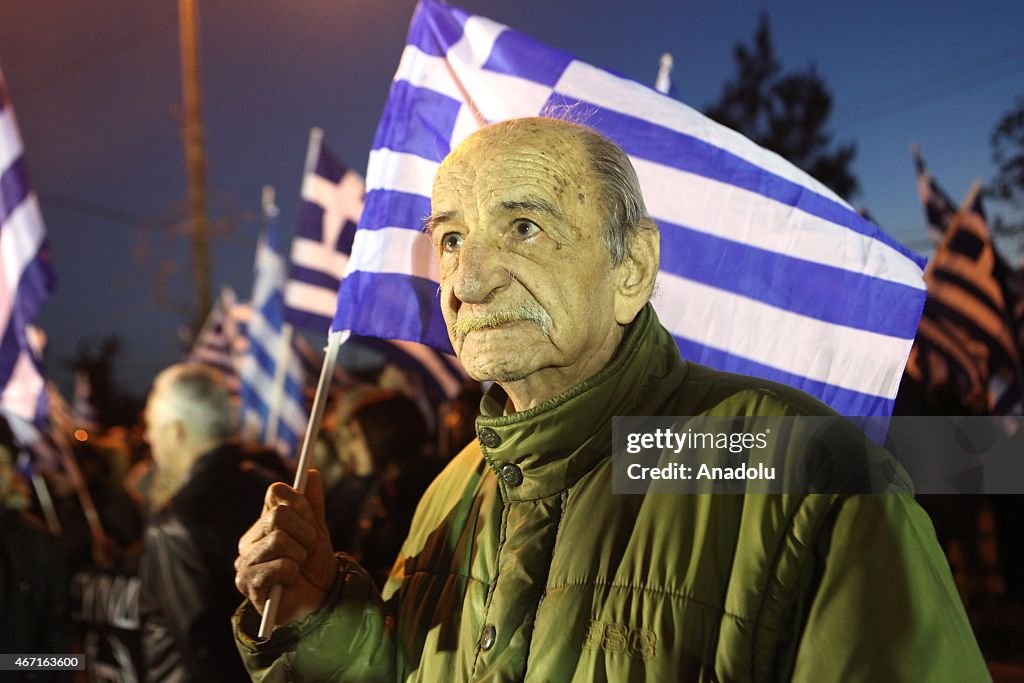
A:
(288, 545)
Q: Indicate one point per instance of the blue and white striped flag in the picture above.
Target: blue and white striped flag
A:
(222, 342)
(332, 204)
(332, 199)
(26, 278)
(764, 270)
(273, 410)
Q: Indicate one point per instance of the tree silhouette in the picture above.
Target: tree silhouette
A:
(785, 112)
(1008, 186)
(97, 359)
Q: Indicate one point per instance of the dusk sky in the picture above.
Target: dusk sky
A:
(96, 88)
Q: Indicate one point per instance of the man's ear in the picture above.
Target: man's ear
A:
(180, 430)
(637, 273)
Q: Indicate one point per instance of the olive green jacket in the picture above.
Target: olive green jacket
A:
(522, 565)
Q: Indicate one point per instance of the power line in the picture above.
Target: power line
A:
(223, 233)
(95, 210)
(946, 83)
(958, 70)
(911, 102)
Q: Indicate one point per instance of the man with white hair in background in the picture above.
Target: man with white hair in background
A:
(520, 563)
(211, 489)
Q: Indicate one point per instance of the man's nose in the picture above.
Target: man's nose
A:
(481, 270)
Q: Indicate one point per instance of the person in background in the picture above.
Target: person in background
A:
(382, 447)
(214, 489)
(119, 514)
(457, 421)
(33, 575)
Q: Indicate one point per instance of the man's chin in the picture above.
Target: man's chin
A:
(483, 369)
(502, 374)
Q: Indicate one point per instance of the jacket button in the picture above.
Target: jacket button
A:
(512, 475)
(489, 437)
(487, 636)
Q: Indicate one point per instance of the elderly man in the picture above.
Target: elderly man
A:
(215, 488)
(521, 563)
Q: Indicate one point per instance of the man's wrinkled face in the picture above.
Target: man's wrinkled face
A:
(527, 284)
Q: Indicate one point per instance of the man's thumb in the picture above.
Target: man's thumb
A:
(315, 495)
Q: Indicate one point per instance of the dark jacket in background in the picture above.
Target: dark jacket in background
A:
(33, 595)
(188, 588)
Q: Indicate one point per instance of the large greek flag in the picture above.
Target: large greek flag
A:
(263, 400)
(25, 275)
(764, 270)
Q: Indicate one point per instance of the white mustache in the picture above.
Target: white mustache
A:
(532, 312)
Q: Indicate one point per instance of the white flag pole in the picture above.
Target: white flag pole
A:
(316, 139)
(663, 83)
(334, 340)
(972, 194)
(46, 502)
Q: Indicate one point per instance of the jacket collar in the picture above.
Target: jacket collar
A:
(215, 457)
(556, 443)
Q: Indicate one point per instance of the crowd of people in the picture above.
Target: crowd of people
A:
(134, 568)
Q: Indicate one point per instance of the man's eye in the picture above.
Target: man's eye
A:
(451, 241)
(524, 229)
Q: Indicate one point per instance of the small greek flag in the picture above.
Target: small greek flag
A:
(273, 409)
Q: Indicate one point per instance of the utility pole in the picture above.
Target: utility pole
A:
(195, 156)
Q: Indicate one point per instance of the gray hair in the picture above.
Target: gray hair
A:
(197, 396)
(620, 192)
